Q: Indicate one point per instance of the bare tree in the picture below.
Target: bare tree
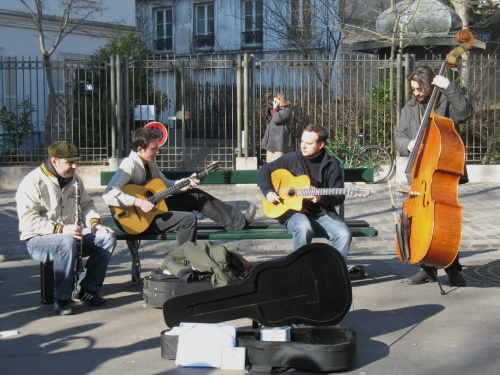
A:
(75, 15)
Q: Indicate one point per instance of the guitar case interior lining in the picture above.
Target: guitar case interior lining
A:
(310, 349)
(311, 287)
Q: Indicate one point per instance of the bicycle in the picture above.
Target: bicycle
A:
(357, 156)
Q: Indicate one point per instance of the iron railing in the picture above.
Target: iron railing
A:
(347, 95)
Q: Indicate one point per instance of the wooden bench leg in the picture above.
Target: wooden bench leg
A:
(133, 246)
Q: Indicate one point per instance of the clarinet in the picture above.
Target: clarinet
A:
(78, 221)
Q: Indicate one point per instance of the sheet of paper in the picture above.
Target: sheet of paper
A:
(200, 344)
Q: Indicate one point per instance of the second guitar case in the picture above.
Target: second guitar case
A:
(310, 288)
(157, 291)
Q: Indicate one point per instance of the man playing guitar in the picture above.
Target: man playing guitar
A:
(318, 215)
(140, 166)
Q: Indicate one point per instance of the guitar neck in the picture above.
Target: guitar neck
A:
(155, 198)
(323, 191)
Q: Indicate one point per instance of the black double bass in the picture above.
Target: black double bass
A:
(430, 225)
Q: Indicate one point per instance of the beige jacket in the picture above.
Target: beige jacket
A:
(44, 208)
(131, 171)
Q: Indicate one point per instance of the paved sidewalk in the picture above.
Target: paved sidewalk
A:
(401, 329)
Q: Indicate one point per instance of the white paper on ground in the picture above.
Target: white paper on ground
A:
(8, 333)
(200, 344)
(233, 359)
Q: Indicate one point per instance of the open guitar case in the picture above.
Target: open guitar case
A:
(309, 290)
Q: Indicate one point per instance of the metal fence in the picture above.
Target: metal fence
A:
(205, 103)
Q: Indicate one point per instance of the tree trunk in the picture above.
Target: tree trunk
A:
(51, 110)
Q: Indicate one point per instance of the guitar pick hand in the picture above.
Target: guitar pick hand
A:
(272, 197)
(144, 205)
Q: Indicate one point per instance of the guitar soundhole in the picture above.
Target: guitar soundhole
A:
(292, 192)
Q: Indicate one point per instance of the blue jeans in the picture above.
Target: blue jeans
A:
(303, 227)
(61, 250)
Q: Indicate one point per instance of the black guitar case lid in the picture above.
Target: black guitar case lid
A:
(310, 286)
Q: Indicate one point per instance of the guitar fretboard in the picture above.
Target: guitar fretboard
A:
(328, 191)
(155, 198)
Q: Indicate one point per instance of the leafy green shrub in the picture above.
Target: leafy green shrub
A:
(17, 126)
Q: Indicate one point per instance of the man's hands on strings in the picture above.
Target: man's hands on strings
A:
(194, 180)
(272, 197)
(147, 206)
(441, 81)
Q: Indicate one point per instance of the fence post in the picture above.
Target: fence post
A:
(126, 102)
(238, 104)
(398, 87)
(119, 101)
(245, 103)
(112, 61)
(183, 109)
(252, 106)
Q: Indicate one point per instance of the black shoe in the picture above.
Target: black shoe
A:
(62, 307)
(250, 214)
(456, 279)
(357, 273)
(91, 298)
(421, 277)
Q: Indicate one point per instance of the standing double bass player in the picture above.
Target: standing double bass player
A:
(451, 104)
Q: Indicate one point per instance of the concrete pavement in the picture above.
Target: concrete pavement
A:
(401, 329)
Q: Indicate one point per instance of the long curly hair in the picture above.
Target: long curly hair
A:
(423, 75)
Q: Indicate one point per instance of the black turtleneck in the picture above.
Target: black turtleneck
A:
(312, 165)
(62, 181)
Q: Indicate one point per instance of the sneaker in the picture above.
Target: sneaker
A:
(91, 298)
(357, 273)
(456, 279)
(250, 214)
(62, 307)
(421, 277)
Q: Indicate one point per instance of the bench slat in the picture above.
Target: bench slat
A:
(242, 234)
(244, 176)
(257, 230)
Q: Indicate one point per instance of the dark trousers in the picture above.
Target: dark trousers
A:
(452, 268)
(209, 206)
(184, 223)
(180, 218)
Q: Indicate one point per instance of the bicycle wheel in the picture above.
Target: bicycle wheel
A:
(378, 158)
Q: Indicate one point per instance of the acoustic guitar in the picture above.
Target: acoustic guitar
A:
(133, 220)
(291, 189)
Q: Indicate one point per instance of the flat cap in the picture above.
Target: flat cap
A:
(64, 150)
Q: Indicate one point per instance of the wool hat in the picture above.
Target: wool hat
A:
(64, 150)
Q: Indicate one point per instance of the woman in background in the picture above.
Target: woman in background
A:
(277, 135)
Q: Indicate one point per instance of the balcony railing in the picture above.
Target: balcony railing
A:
(204, 40)
(252, 37)
(163, 44)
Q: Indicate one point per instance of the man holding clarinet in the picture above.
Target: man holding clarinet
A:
(49, 211)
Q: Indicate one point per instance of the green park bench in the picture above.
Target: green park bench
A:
(266, 230)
